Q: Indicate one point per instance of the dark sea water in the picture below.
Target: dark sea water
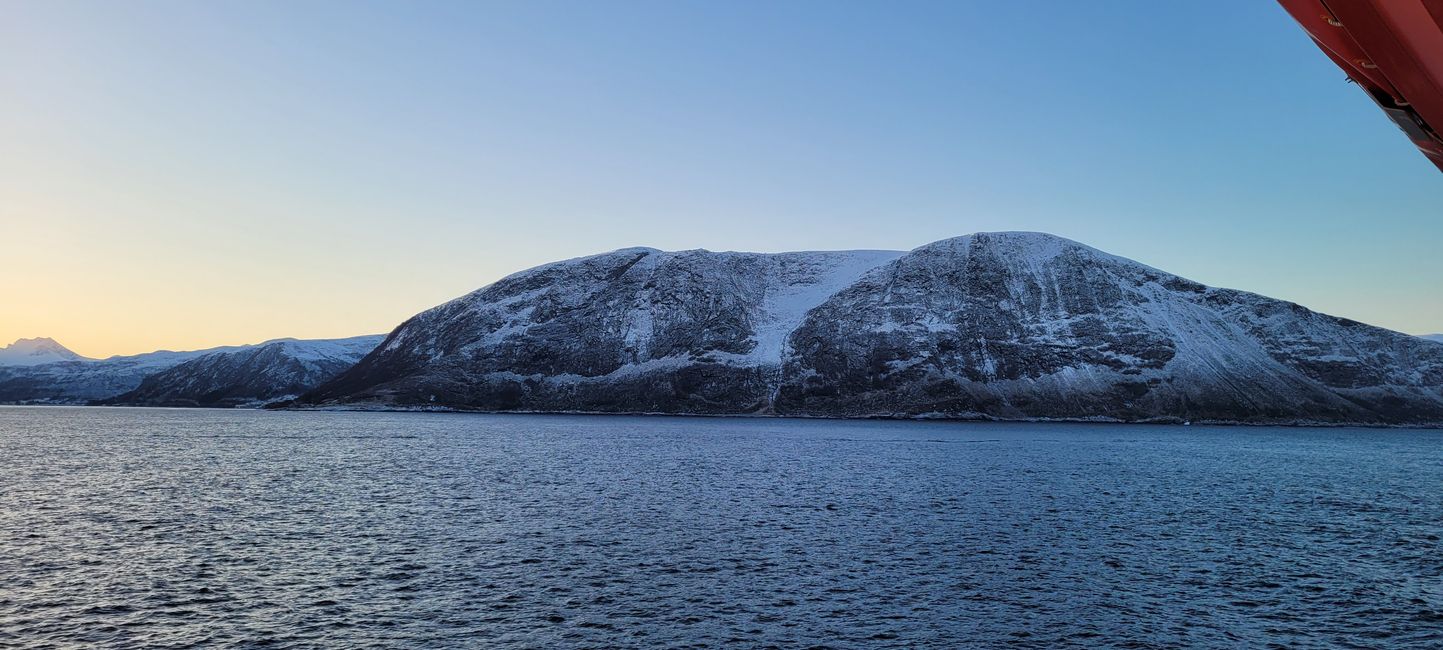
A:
(190, 528)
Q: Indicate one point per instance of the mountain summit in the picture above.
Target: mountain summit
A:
(991, 325)
(36, 351)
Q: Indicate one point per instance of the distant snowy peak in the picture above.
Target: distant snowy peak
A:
(36, 351)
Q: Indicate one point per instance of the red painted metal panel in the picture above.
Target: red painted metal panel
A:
(1393, 49)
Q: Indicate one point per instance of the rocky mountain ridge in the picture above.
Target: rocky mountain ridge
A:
(85, 381)
(991, 325)
(269, 372)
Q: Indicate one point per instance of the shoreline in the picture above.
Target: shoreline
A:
(978, 418)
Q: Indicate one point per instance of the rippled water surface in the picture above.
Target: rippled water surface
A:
(179, 528)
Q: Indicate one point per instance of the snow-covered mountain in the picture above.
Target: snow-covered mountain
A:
(1001, 325)
(82, 381)
(1437, 338)
(252, 376)
(34, 352)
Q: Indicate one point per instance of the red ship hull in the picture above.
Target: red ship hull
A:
(1393, 49)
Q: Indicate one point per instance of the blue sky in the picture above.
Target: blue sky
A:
(194, 174)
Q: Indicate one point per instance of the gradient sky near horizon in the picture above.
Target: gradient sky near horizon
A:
(188, 174)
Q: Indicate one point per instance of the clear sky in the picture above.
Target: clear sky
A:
(189, 174)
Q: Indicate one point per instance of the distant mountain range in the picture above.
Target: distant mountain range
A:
(253, 376)
(991, 325)
(1432, 337)
(226, 376)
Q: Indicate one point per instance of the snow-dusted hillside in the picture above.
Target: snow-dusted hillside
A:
(251, 376)
(82, 381)
(599, 330)
(34, 352)
(1024, 325)
(1009, 325)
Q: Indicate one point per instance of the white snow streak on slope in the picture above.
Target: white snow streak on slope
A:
(796, 283)
(786, 305)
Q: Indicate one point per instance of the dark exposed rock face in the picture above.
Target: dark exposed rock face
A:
(249, 376)
(632, 330)
(1008, 325)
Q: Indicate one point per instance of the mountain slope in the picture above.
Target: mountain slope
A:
(1007, 325)
(255, 375)
(34, 352)
(1436, 338)
(1021, 325)
(84, 381)
(610, 332)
